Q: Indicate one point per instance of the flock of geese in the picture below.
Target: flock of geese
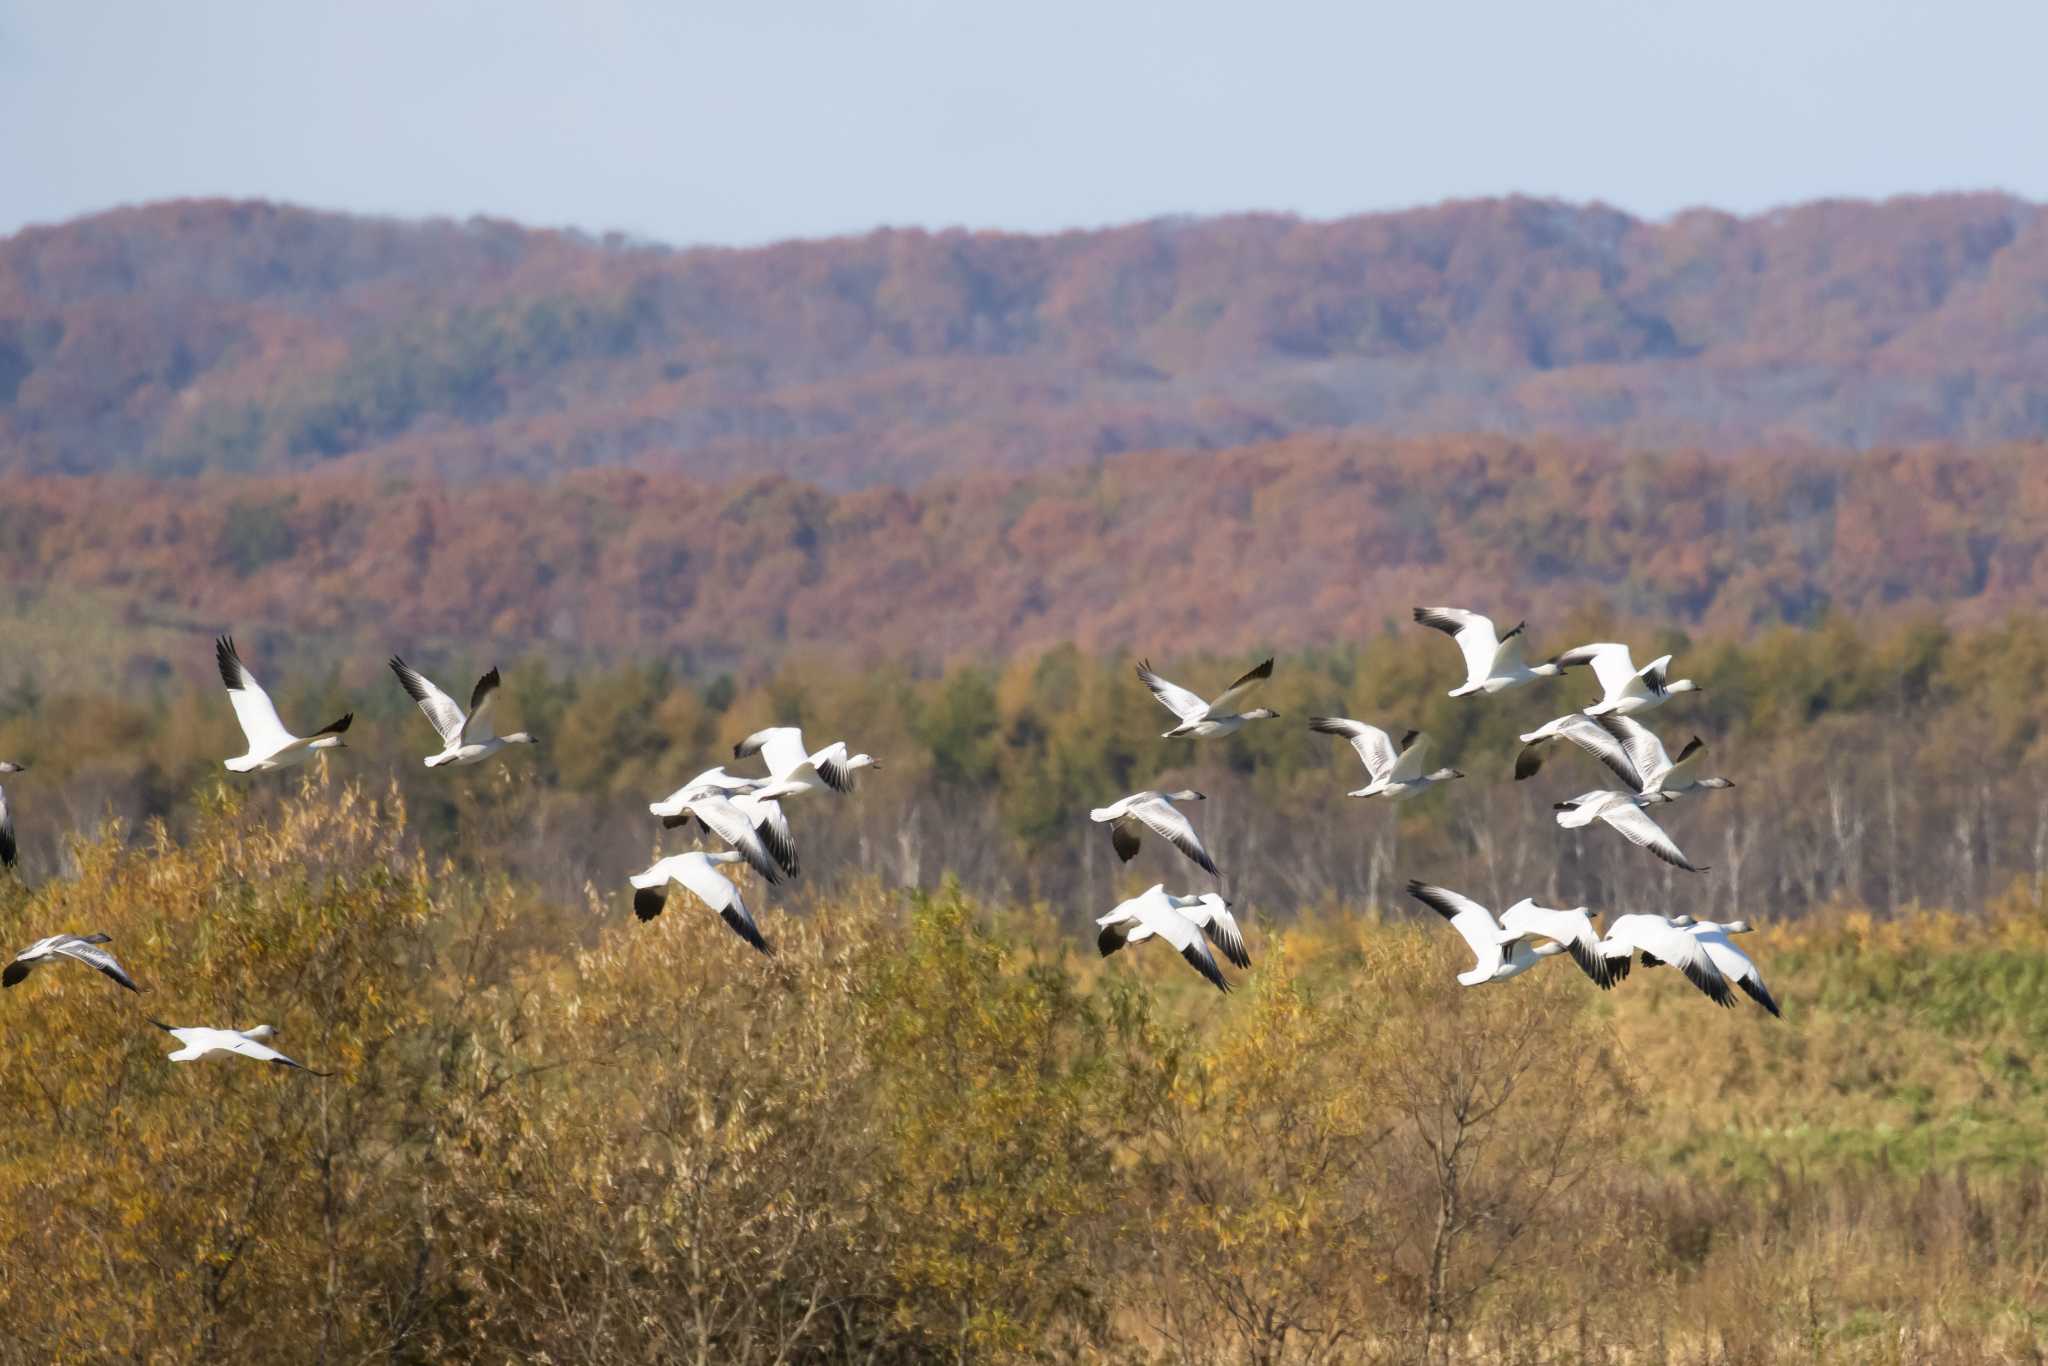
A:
(1525, 933)
(745, 814)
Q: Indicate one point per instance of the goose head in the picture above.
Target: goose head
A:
(521, 737)
(1261, 714)
(1683, 685)
(259, 1032)
(1187, 794)
(1715, 782)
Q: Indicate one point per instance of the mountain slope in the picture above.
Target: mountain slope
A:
(1299, 543)
(212, 336)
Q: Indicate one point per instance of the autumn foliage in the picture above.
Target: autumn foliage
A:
(231, 336)
(934, 1129)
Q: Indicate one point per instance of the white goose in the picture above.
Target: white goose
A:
(697, 872)
(1493, 663)
(1201, 720)
(1660, 940)
(1630, 751)
(782, 749)
(1572, 929)
(1156, 912)
(1476, 925)
(465, 738)
(1395, 776)
(7, 846)
(772, 825)
(723, 817)
(199, 1041)
(1623, 812)
(1625, 689)
(674, 809)
(80, 948)
(1734, 964)
(271, 746)
(1154, 811)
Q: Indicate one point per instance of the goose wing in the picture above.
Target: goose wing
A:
(736, 828)
(1165, 820)
(253, 708)
(263, 1052)
(1414, 753)
(716, 890)
(1737, 966)
(1643, 750)
(1474, 634)
(1212, 914)
(441, 710)
(1172, 696)
(1652, 674)
(1596, 739)
(7, 847)
(1637, 828)
(1653, 934)
(1572, 929)
(1227, 700)
(1375, 747)
(831, 765)
(1611, 663)
(1158, 915)
(780, 747)
(650, 888)
(771, 823)
(1473, 922)
(94, 956)
(477, 729)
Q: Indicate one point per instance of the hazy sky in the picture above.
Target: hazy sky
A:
(782, 118)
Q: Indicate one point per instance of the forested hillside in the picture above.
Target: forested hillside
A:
(1310, 542)
(196, 336)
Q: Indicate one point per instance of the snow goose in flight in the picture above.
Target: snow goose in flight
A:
(1664, 941)
(1157, 912)
(1493, 663)
(1734, 964)
(1476, 925)
(1201, 720)
(1625, 689)
(697, 872)
(1395, 776)
(466, 738)
(198, 1041)
(1624, 812)
(271, 746)
(782, 749)
(722, 816)
(1630, 751)
(83, 948)
(1154, 811)
(1571, 929)
(771, 824)
(674, 809)
(747, 796)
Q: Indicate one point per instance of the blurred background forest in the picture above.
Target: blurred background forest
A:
(935, 494)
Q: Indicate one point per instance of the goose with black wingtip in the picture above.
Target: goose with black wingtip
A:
(466, 737)
(1154, 811)
(1396, 775)
(1493, 662)
(271, 746)
(1201, 720)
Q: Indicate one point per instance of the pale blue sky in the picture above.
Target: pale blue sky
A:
(785, 118)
